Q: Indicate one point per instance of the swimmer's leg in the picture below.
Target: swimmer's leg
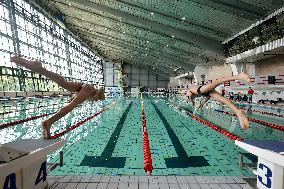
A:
(209, 87)
(79, 98)
(240, 114)
(36, 66)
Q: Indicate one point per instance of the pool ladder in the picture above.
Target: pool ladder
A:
(55, 164)
(250, 166)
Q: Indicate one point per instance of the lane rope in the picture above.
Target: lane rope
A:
(267, 113)
(148, 166)
(209, 124)
(77, 124)
(267, 124)
(5, 125)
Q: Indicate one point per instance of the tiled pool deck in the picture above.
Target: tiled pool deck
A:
(151, 182)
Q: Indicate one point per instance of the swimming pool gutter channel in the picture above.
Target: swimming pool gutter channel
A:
(3, 113)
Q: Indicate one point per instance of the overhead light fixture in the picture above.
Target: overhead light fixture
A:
(152, 13)
(153, 68)
(173, 36)
(105, 28)
(123, 32)
(147, 41)
(109, 37)
(183, 18)
(255, 39)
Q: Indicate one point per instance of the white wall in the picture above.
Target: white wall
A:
(110, 77)
(198, 71)
(213, 72)
(141, 77)
(135, 76)
(270, 66)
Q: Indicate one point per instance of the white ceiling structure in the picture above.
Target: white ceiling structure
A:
(160, 34)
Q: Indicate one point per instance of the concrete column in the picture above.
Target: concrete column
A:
(250, 69)
(118, 70)
(237, 68)
(202, 79)
(243, 67)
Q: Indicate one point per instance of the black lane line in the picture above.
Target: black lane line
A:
(105, 160)
(182, 161)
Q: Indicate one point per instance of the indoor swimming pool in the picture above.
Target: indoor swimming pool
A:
(110, 143)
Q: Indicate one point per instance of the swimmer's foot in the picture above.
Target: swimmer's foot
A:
(32, 65)
(46, 130)
(244, 77)
(243, 119)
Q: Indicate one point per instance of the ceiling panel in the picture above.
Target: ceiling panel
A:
(160, 34)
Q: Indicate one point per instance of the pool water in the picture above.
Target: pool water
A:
(256, 131)
(111, 143)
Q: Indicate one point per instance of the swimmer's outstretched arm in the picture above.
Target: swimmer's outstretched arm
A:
(203, 102)
(78, 99)
(192, 101)
(191, 97)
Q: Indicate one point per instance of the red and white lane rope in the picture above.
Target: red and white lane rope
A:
(148, 167)
(216, 128)
(24, 120)
(212, 126)
(267, 113)
(74, 126)
(272, 125)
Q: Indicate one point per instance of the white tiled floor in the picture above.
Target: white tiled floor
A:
(147, 182)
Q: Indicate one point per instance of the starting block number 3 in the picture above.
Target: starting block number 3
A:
(10, 181)
(264, 176)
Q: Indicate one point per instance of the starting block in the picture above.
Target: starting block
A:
(23, 163)
(270, 164)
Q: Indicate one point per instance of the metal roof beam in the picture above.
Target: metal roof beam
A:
(181, 63)
(238, 8)
(144, 61)
(203, 42)
(143, 52)
(192, 23)
(136, 37)
(167, 56)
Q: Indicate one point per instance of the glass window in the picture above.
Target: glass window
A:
(38, 41)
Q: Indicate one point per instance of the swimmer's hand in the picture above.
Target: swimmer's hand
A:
(194, 111)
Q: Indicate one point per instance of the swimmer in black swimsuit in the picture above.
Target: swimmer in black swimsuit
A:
(84, 91)
(209, 91)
